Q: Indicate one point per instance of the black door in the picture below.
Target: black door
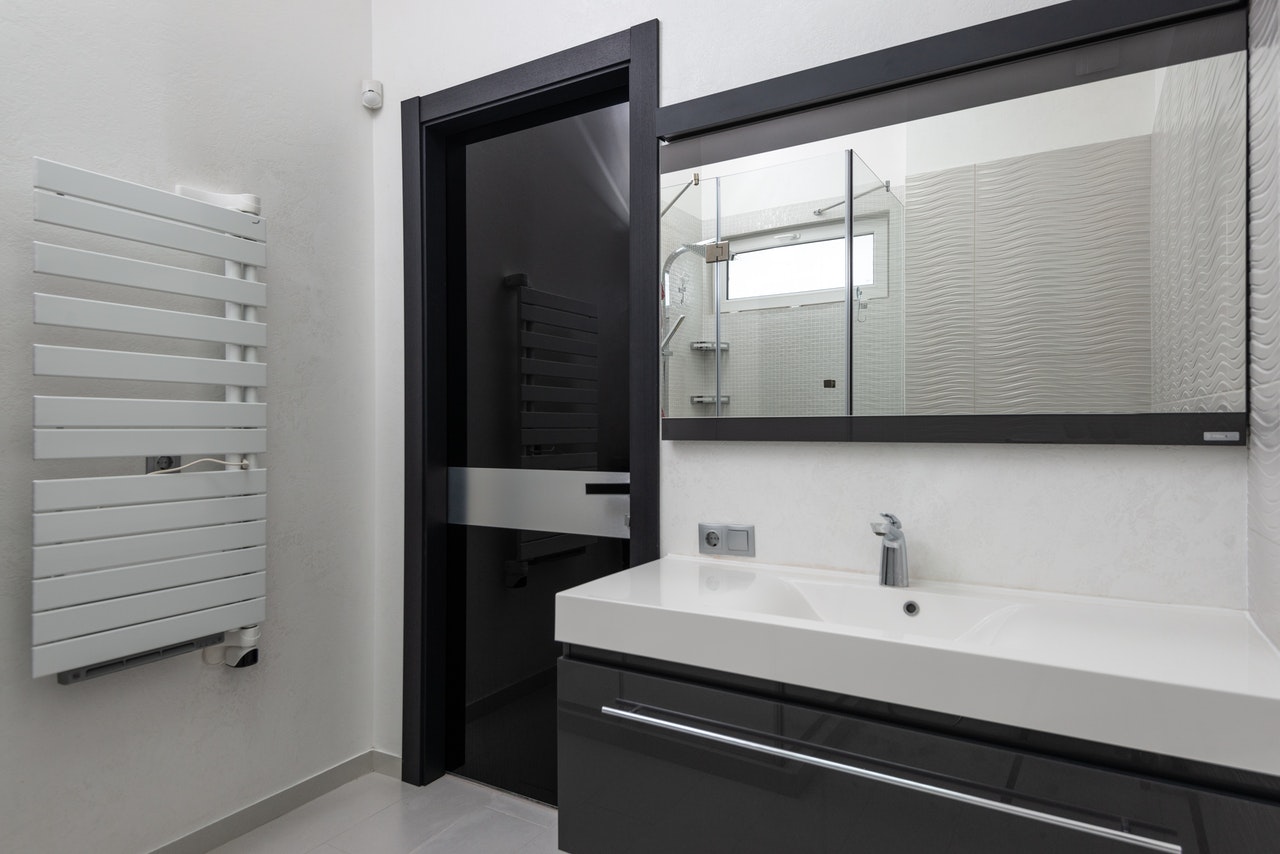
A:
(531, 390)
(547, 228)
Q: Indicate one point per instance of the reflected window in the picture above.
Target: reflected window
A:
(790, 268)
(797, 268)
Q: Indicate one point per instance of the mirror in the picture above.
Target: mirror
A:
(1077, 250)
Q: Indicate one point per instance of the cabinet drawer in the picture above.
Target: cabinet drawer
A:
(654, 764)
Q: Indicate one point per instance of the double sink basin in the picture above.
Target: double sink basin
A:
(1200, 683)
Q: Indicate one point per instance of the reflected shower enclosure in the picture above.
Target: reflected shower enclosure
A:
(809, 247)
(1080, 250)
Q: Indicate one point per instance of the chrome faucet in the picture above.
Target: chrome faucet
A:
(893, 552)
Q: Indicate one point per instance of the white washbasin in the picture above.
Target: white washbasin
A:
(1201, 683)
(842, 600)
(904, 613)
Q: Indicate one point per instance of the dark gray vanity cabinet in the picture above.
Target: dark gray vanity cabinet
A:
(653, 761)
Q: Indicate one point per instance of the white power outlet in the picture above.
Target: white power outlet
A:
(727, 539)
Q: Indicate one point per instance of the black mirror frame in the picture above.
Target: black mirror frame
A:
(1073, 24)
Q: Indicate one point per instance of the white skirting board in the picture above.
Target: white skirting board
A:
(129, 565)
(270, 808)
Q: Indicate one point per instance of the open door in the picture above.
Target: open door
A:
(531, 389)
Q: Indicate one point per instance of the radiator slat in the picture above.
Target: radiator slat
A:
(75, 444)
(533, 296)
(80, 620)
(563, 319)
(73, 181)
(137, 412)
(558, 437)
(78, 492)
(123, 365)
(47, 659)
(66, 590)
(114, 270)
(574, 420)
(559, 344)
(68, 525)
(548, 368)
(115, 222)
(53, 310)
(65, 558)
(558, 394)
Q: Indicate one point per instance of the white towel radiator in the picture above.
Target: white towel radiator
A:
(129, 569)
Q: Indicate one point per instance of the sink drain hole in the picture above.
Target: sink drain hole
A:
(911, 608)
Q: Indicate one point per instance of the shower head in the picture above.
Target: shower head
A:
(687, 247)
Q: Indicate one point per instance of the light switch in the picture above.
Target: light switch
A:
(723, 539)
(740, 540)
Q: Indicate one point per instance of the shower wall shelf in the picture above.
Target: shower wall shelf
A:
(708, 345)
(132, 568)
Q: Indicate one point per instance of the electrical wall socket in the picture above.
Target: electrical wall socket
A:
(727, 539)
(163, 463)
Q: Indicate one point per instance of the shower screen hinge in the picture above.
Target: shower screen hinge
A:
(717, 252)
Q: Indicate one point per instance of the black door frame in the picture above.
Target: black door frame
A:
(619, 68)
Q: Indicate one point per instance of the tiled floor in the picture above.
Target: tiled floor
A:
(377, 814)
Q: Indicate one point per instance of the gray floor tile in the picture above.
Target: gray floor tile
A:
(420, 814)
(484, 831)
(539, 814)
(377, 814)
(318, 821)
(543, 843)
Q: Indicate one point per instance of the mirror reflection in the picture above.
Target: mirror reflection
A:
(1077, 251)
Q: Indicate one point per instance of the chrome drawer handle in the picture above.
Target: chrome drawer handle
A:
(866, 773)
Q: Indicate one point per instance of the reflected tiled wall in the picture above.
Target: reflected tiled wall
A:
(1198, 308)
(779, 358)
(878, 343)
(1028, 284)
(940, 335)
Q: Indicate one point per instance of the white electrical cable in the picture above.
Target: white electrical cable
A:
(243, 465)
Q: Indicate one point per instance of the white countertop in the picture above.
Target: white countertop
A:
(1199, 683)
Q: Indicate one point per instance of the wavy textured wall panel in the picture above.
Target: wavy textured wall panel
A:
(877, 339)
(1264, 295)
(1198, 304)
(1062, 280)
(940, 293)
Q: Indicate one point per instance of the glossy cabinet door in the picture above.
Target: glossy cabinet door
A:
(654, 764)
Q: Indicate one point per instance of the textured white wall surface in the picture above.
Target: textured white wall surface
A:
(1152, 524)
(1264, 305)
(233, 96)
(1199, 198)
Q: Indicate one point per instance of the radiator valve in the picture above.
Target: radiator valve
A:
(239, 650)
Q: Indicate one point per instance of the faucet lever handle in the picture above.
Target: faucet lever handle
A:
(886, 522)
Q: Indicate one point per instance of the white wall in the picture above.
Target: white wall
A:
(1150, 523)
(1264, 298)
(237, 96)
(1154, 524)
